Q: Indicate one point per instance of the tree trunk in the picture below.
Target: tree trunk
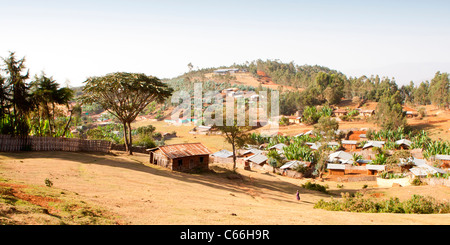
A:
(125, 136)
(234, 157)
(130, 147)
(67, 124)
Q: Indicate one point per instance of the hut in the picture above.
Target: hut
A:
(349, 145)
(340, 112)
(250, 152)
(367, 113)
(375, 169)
(404, 144)
(444, 159)
(336, 169)
(294, 119)
(341, 157)
(181, 157)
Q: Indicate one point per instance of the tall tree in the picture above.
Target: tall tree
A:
(236, 135)
(18, 92)
(439, 89)
(389, 112)
(47, 94)
(125, 95)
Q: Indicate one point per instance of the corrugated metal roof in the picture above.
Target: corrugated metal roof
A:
(336, 166)
(294, 163)
(184, 150)
(403, 141)
(349, 142)
(258, 158)
(223, 154)
(375, 167)
(442, 157)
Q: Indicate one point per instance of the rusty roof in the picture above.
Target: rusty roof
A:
(183, 150)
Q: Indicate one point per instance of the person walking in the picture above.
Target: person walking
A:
(297, 196)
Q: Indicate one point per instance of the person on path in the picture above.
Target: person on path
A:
(298, 196)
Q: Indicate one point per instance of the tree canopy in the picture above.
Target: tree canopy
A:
(125, 95)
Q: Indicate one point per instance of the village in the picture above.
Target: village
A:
(353, 158)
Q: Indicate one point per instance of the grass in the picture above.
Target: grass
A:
(31, 204)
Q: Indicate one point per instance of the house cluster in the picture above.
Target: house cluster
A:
(340, 112)
(352, 156)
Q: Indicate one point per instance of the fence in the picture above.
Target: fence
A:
(40, 143)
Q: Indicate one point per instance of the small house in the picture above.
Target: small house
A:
(371, 144)
(278, 147)
(349, 145)
(340, 112)
(341, 157)
(367, 113)
(250, 152)
(181, 157)
(336, 169)
(404, 144)
(444, 159)
(375, 169)
(258, 159)
(410, 112)
(223, 154)
(294, 119)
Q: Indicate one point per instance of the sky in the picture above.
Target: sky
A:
(73, 40)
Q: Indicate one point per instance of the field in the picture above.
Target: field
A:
(133, 192)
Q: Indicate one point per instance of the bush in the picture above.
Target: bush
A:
(145, 141)
(416, 205)
(315, 187)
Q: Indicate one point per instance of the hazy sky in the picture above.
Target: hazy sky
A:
(72, 40)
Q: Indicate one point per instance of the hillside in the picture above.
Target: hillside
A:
(137, 193)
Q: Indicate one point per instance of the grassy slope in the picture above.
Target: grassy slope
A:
(142, 194)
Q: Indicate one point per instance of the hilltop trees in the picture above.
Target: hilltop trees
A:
(390, 115)
(440, 89)
(125, 95)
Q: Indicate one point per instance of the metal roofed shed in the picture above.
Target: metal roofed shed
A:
(181, 157)
(340, 156)
(294, 163)
(258, 159)
(336, 169)
(223, 154)
(278, 146)
(378, 144)
(404, 143)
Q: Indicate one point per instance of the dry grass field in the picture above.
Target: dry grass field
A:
(136, 193)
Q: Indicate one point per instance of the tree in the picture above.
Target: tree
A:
(389, 113)
(440, 89)
(46, 95)
(125, 95)
(236, 135)
(327, 126)
(17, 92)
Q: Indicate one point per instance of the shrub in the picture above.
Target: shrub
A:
(416, 205)
(48, 182)
(315, 187)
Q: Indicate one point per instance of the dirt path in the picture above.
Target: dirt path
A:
(142, 194)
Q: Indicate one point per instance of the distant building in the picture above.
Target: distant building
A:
(226, 71)
(340, 112)
(181, 157)
(404, 144)
(367, 113)
(349, 144)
